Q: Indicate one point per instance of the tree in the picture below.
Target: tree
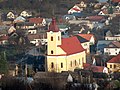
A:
(3, 63)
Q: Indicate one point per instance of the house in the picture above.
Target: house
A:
(19, 19)
(84, 43)
(38, 21)
(74, 9)
(63, 54)
(3, 40)
(96, 69)
(101, 44)
(69, 17)
(89, 37)
(112, 48)
(11, 30)
(34, 39)
(114, 38)
(103, 13)
(11, 15)
(25, 14)
(25, 26)
(82, 4)
(114, 64)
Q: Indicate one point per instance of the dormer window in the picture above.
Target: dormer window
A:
(51, 38)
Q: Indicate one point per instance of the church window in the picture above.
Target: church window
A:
(71, 63)
(75, 62)
(58, 38)
(52, 65)
(61, 65)
(51, 51)
(110, 66)
(51, 38)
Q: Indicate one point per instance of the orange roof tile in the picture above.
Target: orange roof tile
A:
(71, 45)
(35, 20)
(86, 36)
(115, 59)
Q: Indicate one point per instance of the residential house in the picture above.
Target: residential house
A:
(103, 13)
(30, 28)
(101, 44)
(63, 54)
(96, 69)
(34, 39)
(89, 37)
(75, 9)
(38, 21)
(11, 15)
(25, 14)
(114, 38)
(19, 19)
(112, 48)
(3, 40)
(11, 30)
(114, 64)
(69, 17)
(84, 43)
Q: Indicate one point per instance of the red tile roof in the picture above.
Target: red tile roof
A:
(95, 18)
(86, 36)
(115, 59)
(71, 45)
(35, 20)
(76, 9)
(53, 26)
(93, 68)
(115, 0)
(3, 38)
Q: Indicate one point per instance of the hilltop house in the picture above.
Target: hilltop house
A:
(25, 14)
(112, 48)
(63, 54)
(38, 21)
(114, 64)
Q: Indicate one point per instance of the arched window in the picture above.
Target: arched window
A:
(52, 65)
(75, 62)
(51, 51)
(71, 63)
(58, 38)
(51, 38)
(61, 65)
(110, 66)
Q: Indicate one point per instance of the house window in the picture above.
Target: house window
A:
(110, 66)
(114, 66)
(79, 61)
(51, 38)
(82, 59)
(58, 38)
(71, 63)
(52, 65)
(61, 65)
(75, 62)
(51, 51)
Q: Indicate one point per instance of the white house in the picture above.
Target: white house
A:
(113, 48)
(75, 9)
(25, 14)
(114, 38)
(11, 15)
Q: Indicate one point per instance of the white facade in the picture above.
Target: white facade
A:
(101, 13)
(114, 38)
(75, 9)
(111, 51)
(25, 14)
(11, 15)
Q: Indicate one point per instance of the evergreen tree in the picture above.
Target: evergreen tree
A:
(3, 63)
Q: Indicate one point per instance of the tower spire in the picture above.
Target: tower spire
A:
(53, 26)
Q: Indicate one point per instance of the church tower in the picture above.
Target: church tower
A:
(54, 38)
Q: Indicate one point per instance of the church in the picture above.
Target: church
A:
(63, 54)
